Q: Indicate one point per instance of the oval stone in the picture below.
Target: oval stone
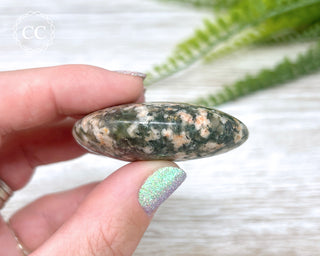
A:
(159, 131)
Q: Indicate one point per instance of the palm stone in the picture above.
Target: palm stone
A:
(159, 131)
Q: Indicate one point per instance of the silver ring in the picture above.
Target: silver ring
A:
(20, 247)
(5, 193)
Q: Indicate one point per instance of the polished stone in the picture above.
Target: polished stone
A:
(159, 131)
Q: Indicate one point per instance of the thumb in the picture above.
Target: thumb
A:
(114, 216)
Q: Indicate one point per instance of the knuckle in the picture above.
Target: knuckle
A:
(106, 241)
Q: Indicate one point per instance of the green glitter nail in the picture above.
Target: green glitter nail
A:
(159, 186)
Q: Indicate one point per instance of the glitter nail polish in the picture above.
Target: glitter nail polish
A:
(132, 73)
(159, 186)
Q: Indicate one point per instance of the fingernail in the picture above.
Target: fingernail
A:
(132, 73)
(159, 186)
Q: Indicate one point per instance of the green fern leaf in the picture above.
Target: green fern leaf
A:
(285, 71)
(247, 14)
(304, 34)
(280, 24)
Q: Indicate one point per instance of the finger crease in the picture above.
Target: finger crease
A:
(53, 99)
(31, 159)
(51, 226)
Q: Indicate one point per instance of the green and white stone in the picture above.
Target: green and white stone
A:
(154, 131)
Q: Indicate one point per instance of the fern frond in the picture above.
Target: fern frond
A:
(280, 24)
(287, 70)
(250, 15)
(305, 34)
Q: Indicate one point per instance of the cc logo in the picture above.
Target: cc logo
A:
(34, 32)
(30, 32)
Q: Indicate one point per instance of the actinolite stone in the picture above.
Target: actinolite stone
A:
(153, 131)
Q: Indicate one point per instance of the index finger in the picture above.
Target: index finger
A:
(33, 97)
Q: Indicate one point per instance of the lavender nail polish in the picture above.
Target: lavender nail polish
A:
(132, 73)
(159, 186)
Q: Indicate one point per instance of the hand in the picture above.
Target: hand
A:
(106, 218)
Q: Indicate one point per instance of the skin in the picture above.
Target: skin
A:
(38, 108)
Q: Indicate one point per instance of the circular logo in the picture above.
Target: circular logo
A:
(34, 31)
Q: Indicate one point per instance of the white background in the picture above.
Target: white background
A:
(260, 199)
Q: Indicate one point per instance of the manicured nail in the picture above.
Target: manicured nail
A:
(132, 73)
(159, 186)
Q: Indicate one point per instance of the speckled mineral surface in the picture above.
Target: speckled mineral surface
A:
(159, 130)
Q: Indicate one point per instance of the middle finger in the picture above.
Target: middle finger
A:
(22, 152)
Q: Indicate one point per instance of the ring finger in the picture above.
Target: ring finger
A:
(36, 222)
